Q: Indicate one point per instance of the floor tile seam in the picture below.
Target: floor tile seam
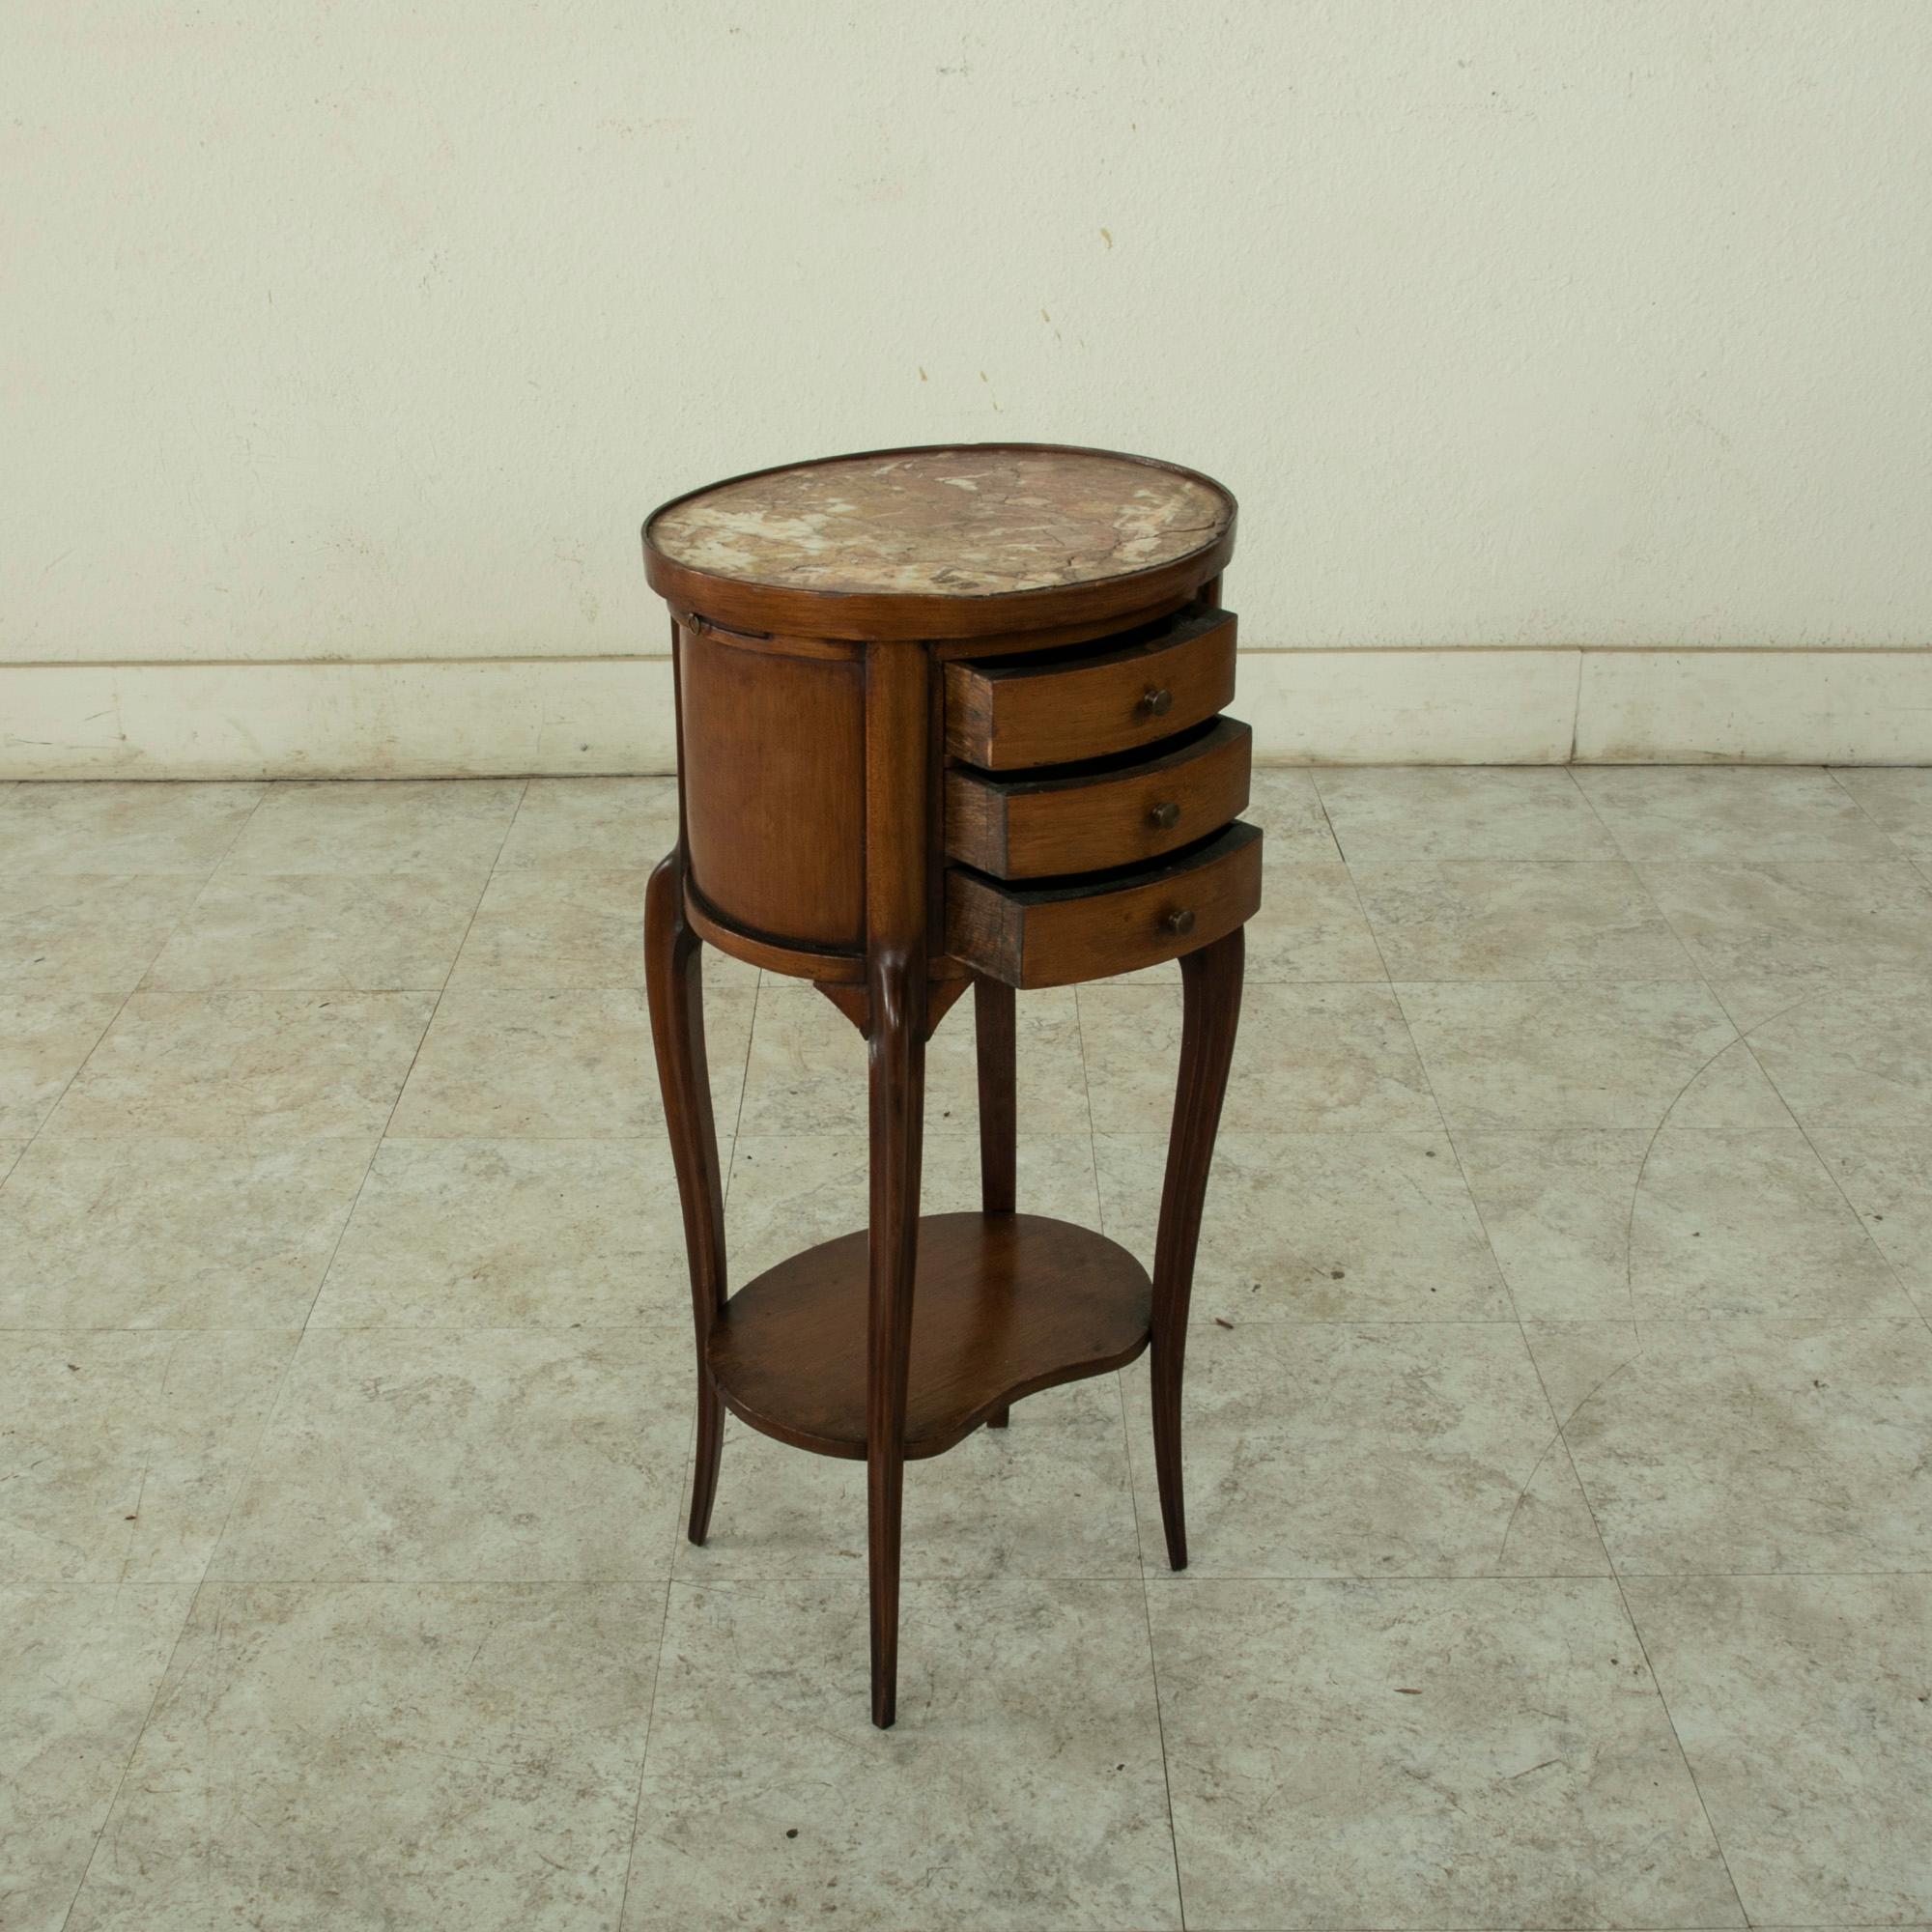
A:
(1858, 805)
(1829, 771)
(1523, 1332)
(1614, 861)
(368, 1168)
(644, 1751)
(1636, 1575)
(1161, 1740)
(103, 1140)
(1684, 1755)
(483, 870)
(1556, 1417)
(1623, 1599)
(1128, 1578)
(281, 1380)
(1328, 818)
(1087, 1092)
(1575, 1474)
(730, 1162)
(1488, 1578)
(1608, 830)
(1884, 1261)
(1744, 1035)
(1146, 1619)
(265, 787)
(1741, 1035)
(135, 1747)
(246, 1475)
(341, 1235)
(1690, 977)
(1320, 802)
(1435, 1099)
(660, 1324)
(186, 912)
(637, 986)
(114, 1021)
(339, 987)
(1557, 982)
(1644, 1165)
(1776, 1134)
(1375, 940)
(488, 877)
(744, 1087)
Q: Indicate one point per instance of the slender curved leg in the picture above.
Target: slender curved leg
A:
(898, 717)
(897, 1097)
(993, 1029)
(674, 975)
(1210, 993)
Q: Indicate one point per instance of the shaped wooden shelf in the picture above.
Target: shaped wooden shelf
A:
(1003, 1305)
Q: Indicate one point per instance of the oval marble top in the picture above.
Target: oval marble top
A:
(959, 522)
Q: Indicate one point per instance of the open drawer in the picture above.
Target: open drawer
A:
(1064, 930)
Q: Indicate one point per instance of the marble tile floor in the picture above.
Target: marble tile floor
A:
(1559, 1401)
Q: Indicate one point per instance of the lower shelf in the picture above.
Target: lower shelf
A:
(1003, 1305)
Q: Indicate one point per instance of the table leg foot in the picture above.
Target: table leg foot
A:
(710, 1452)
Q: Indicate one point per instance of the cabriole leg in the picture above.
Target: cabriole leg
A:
(897, 1102)
(994, 1045)
(673, 974)
(1211, 981)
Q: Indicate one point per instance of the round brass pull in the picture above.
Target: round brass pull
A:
(1180, 923)
(1166, 817)
(1157, 700)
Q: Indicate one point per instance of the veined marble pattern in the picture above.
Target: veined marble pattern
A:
(947, 523)
(1559, 1387)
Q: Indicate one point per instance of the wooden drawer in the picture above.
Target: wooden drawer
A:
(1062, 707)
(1115, 811)
(1110, 923)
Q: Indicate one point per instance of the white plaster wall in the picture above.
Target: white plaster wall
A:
(1547, 343)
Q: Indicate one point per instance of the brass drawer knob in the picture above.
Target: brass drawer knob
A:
(1157, 700)
(1166, 817)
(1180, 923)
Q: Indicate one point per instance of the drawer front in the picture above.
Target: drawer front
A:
(1117, 922)
(1088, 704)
(1123, 813)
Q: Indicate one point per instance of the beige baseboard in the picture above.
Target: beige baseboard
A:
(491, 716)
(442, 718)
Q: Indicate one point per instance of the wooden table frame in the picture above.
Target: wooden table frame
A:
(895, 986)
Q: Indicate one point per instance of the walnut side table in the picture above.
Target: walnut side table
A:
(947, 718)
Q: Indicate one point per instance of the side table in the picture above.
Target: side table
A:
(947, 717)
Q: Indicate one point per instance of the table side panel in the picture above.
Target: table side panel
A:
(775, 788)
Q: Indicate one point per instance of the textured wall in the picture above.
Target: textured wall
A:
(368, 331)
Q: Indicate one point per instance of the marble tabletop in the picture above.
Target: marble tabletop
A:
(947, 522)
